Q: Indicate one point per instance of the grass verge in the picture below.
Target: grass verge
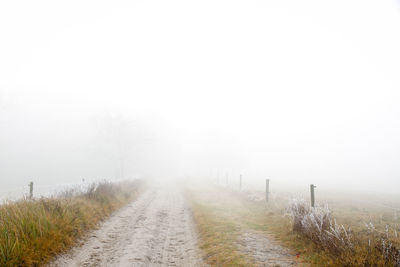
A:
(33, 231)
(317, 236)
(222, 215)
(218, 237)
(221, 218)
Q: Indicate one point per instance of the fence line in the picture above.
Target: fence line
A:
(43, 190)
(270, 196)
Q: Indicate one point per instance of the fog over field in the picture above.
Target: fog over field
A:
(296, 91)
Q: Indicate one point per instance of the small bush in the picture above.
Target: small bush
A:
(318, 225)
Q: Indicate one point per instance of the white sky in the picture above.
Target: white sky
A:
(303, 90)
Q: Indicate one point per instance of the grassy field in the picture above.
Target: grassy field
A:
(33, 231)
(221, 216)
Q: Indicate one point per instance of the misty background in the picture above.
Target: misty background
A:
(296, 91)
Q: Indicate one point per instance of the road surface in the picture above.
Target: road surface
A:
(155, 230)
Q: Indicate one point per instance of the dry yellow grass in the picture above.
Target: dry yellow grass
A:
(352, 211)
(221, 217)
(34, 231)
(218, 234)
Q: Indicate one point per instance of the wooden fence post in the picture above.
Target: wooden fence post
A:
(267, 190)
(31, 190)
(240, 183)
(312, 187)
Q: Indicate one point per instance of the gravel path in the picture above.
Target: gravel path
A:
(155, 230)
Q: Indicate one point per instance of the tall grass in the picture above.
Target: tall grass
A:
(34, 231)
(366, 248)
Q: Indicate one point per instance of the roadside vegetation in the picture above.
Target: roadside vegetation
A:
(364, 246)
(222, 217)
(341, 235)
(33, 231)
(219, 231)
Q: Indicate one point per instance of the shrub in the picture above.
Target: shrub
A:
(319, 226)
(347, 249)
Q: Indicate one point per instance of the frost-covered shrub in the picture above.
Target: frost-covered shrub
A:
(381, 242)
(318, 225)
(374, 248)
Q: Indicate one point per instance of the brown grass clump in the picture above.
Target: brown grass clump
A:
(34, 231)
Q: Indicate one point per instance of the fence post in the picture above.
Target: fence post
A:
(240, 183)
(266, 190)
(312, 187)
(226, 179)
(31, 190)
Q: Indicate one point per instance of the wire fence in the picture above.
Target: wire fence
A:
(46, 190)
(275, 198)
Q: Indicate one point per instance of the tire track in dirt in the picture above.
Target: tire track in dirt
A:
(155, 230)
(265, 251)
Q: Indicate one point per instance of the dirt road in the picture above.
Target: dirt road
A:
(155, 230)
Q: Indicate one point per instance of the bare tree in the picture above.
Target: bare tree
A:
(122, 135)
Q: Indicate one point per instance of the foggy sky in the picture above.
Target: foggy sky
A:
(297, 91)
